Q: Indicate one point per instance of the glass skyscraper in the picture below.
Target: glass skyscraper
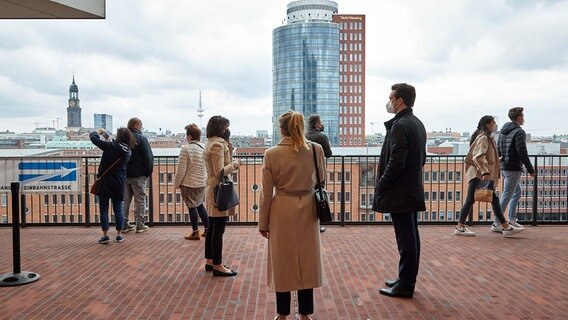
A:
(305, 65)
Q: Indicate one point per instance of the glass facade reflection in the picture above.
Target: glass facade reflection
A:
(305, 71)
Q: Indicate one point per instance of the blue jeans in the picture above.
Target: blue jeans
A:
(511, 193)
(116, 208)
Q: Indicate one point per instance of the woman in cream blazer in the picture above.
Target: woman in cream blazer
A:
(482, 163)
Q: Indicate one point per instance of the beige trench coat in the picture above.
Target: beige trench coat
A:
(217, 156)
(287, 211)
(482, 158)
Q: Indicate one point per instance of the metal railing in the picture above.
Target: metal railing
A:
(350, 181)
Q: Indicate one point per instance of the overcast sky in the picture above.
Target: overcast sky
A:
(150, 59)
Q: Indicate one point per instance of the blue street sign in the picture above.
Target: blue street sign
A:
(42, 171)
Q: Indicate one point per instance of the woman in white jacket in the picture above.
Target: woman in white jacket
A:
(190, 178)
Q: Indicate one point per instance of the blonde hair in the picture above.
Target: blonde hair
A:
(292, 124)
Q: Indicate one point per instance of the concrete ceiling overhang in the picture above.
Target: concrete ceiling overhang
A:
(52, 9)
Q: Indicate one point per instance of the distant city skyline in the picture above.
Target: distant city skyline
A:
(150, 59)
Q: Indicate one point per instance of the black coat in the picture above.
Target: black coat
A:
(112, 183)
(314, 135)
(512, 148)
(141, 163)
(399, 186)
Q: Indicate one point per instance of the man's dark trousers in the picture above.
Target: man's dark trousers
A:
(408, 242)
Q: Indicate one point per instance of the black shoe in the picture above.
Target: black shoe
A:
(208, 267)
(398, 291)
(217, 273)
(391, 283)
(322, 229)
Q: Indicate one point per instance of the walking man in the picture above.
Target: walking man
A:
(399, 189)
(512, 148)
(138, 171)
(314, 134)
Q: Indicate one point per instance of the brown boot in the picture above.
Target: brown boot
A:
(193, 236)
(204, 234)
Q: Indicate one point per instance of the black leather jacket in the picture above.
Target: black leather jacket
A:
(512, 148)
(399, 186)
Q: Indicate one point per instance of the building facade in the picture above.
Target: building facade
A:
(351, 79)
(103, 120)
(305, 65)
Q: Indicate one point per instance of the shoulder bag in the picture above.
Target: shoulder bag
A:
(484, 190)
(321, 195)
(95, 185)
(225, 194)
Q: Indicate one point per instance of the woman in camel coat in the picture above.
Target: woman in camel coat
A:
(288, 217)
(482, 163)
(217, 157)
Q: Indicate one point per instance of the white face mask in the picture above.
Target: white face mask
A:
(390, 107)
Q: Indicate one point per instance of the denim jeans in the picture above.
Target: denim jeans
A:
(116, 208)
(135, 188)
(511, 193)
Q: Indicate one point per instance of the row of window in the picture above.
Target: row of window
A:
(62, 199)
(545, 182)
(352, 99)
(442, 176)
(353, 67)
(351, 131)
(351, 78)
(351, 26)
(357, 57)
(351, 46)
(352, 141)
(442, 196)
(350, 88)
(352, 120)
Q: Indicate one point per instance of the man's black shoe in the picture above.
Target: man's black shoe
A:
(322, 229)
(398, 291)
(391, 283)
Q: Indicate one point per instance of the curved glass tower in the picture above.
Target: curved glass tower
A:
(305, 65)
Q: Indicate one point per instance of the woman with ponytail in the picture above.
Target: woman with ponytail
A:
(288, 217)
(482, 163)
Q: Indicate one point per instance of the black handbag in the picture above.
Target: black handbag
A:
(321, 196)
(225, 194)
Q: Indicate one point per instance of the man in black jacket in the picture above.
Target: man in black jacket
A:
(138, 171)
(314, 134)
(399, 189)
(512, 149)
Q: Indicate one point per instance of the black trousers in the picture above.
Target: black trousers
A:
(214, 239)
(202, 213)
(470, 200)
(408, 243)
(305, 302)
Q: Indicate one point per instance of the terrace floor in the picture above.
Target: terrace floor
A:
(159, 275)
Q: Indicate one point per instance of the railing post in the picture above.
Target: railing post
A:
(17, 277)
(87, 195)
(23, 211)
(150, 201)
(535, 193)
(342, 200)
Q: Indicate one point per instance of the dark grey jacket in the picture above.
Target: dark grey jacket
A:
(141, 163)
(512, 147)
(315, 136)
(399, 186)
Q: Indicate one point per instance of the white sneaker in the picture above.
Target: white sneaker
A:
(511, 230)
(496, 228)
(463, 231)
(516, 224)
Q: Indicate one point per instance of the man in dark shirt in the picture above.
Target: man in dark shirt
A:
(314, 134)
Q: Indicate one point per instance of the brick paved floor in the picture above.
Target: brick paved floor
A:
(159, 275)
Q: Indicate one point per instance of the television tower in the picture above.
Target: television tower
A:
(200, 110)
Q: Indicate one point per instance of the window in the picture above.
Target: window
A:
(480, 215)
(450, 215)
(426, 175)
(178, 198)
(488, 216)
(161, 178)
(347, 196)
(434, 196)
(426, 196)
(79, 201)
(4, 200)
(331, 177)
(162, 198)
(347, 177)
(458, 176)
(45, 199)
(363, 199)
(331, 196)
(450, 196)
(433, 216)
(434, 176)
(426, 216)
(71, 199)
(442, 176)
(54, 199)
(170, 177)
(442, 216)
(458, 196)
(170, 198)
(63, 200)
(442, 197)
(450, 176)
